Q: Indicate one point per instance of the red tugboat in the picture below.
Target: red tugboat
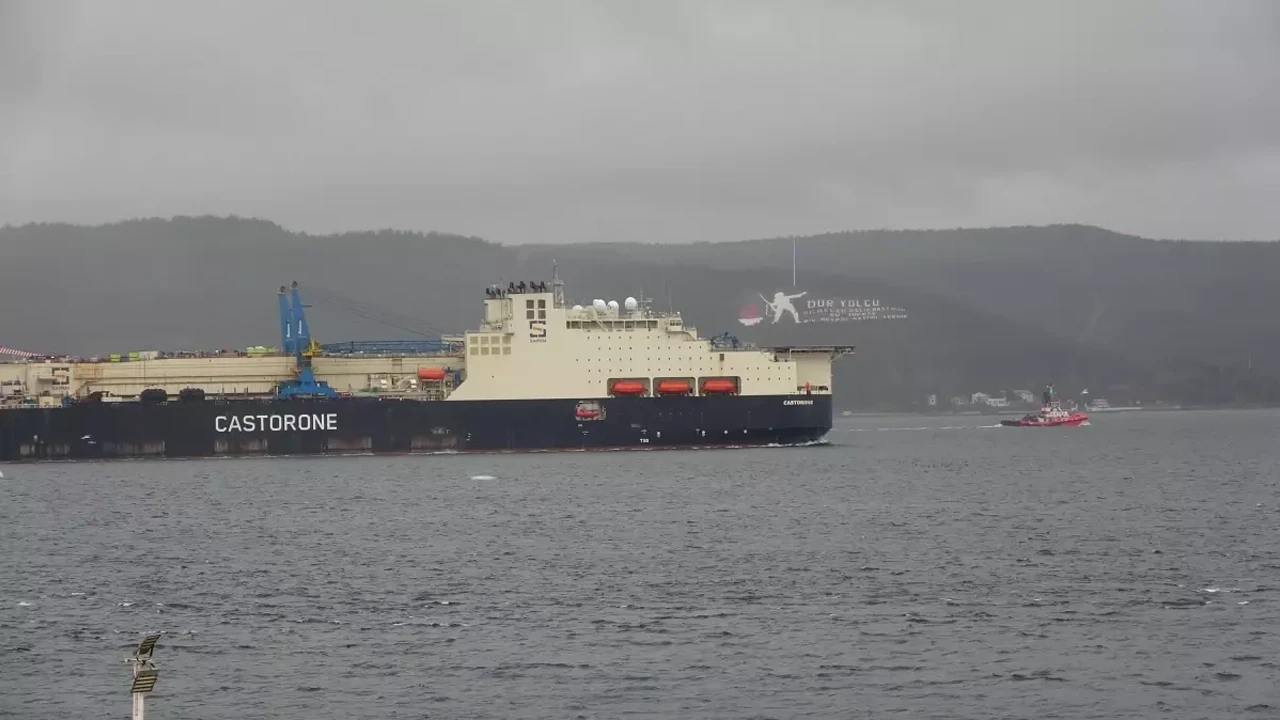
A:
(1051, 415)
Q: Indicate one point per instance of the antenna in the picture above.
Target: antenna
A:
(793, 262)
(643, 301)
(557, 286)
(145, 675)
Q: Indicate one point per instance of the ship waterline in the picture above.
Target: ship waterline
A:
(370, 425)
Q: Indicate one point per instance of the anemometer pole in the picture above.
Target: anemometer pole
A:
(145, 675)
(793, 263)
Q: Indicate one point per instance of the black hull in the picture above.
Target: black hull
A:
(213, 428)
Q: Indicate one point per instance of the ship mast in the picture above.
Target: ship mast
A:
(557, 286)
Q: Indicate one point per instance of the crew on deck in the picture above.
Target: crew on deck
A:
(514, 288)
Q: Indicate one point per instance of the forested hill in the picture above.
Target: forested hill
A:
(986, 310)
(1157, 300)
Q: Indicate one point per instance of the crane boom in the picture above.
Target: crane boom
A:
(286, 323)
(297, 341)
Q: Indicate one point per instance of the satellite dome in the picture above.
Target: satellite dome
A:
(630, 303)
(577, 308)
(599, 305)
(613, 305)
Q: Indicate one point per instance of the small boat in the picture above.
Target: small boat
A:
(1051, 415)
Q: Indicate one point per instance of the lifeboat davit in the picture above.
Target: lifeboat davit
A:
(674, 387)
(430, 373)
(719, 386)
(627, 387)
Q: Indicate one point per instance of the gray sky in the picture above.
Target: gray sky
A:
(656, 120)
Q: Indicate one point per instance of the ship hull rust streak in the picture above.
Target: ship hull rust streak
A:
(368, 425)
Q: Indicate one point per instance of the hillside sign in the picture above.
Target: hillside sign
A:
(801, 308)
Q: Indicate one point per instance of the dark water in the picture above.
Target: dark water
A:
(1130, 569)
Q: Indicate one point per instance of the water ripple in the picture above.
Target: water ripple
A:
(1126, 570)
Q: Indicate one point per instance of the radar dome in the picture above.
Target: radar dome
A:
(630, 303)
(577, 308)
(599, 305)
(613, 305)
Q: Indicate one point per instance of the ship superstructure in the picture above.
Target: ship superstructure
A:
(532, 346)
(564, 375)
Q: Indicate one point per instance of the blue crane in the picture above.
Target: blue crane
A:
(296, 340)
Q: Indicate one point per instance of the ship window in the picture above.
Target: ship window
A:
(542, 303)
(528, 314)
(528, 304)
(475, 350)
(506, 339)
(542, 314)
(484, 351)
(484, 339)
(506, 350)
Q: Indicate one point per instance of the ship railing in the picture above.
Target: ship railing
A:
(814, 349)
(393, 347)
(589, 313)
(159, 355)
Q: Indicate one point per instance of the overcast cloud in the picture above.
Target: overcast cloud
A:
(626, 120)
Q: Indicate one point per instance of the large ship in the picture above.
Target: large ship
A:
(537, 374)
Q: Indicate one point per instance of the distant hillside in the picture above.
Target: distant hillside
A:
(1158, 301)
(987, 310)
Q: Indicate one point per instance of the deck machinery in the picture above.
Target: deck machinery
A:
(296, 340)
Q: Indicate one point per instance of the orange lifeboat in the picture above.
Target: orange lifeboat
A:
(430, 373)
(587, 413)
(627, 387)
(674, 387)
(719, 386)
